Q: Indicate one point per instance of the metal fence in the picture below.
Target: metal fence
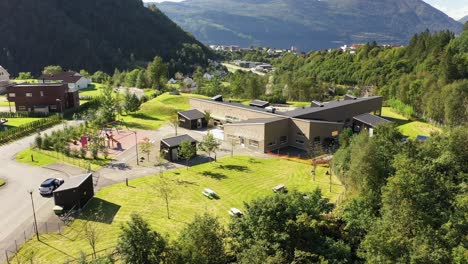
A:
(13, 255)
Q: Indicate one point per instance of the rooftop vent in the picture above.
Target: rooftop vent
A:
(350, 97)
(316, 104)
(217, 98)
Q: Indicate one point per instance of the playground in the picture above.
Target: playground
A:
(115, 136)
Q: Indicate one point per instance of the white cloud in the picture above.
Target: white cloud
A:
(454, 8)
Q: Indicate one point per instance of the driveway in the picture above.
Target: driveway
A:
(15, 201)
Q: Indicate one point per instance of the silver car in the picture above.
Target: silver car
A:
(49, 185)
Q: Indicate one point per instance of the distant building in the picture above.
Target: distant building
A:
(4, 80)
(208, 76)
(73, 79)
(170, 147)
(192, 119)
(43, 97)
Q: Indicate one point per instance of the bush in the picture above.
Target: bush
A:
(38, 142)
(27, 129)
(401, 108)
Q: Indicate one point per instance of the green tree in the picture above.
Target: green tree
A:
(52, 69)
(85, 73)
(156, 73)
(24, 76)
(139, 244)
(209, 144)
(108, 106)
(131, 103)
(202, 241)
(187, 151)
(146, 147)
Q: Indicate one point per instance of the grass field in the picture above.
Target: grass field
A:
(4, 101)
(158, 111)
(408, 127)
(15, 122)
(93, 90)
(48, 157)
(237, 180)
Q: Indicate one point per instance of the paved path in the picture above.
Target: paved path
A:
(15, 201)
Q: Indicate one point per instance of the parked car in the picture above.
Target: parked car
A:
(49, 185)
(210, 194)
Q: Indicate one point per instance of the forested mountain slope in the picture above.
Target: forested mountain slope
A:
(307, 24)
(90, 34)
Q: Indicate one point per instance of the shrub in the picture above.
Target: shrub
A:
(38, 142)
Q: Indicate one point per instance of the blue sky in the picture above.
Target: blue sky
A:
(454, 8)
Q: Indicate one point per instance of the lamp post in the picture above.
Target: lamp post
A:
(136, 147)
(34, 214)
(60, 103)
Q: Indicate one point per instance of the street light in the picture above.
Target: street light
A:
(136, 147)
(30, 191)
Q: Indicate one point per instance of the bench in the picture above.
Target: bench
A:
(279, 188)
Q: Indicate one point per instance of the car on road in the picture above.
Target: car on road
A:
(49, 185)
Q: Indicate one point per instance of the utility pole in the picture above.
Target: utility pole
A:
(34, 214)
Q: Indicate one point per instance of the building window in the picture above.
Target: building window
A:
(28, 94)
(22, 108)
(42, 93)
(299, 133)
(272, 143)
(283, 140)
(253, 143)
(11, 95)
(316, 140)
(53, 107)
(298, 141)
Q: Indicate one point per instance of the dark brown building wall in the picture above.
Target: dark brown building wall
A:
(42, 95)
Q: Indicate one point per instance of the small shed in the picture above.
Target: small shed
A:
(75, 192)
(170, 146)
(368, 122)
(259, 103)
(192, 119)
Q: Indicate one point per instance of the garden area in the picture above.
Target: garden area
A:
(16, 125)
(235, 179)
(409, 128)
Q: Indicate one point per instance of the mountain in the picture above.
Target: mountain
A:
(463, 20)
(85, 34)
(306, 24)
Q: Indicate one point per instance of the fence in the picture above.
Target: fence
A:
(27, 129)
(85, 164)
(12, 254)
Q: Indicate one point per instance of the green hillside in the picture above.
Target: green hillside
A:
(306, 24)
(89, 34)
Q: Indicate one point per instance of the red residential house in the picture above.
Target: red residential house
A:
(43, 97)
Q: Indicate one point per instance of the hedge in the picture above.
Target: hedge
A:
(13, 134)
(23, 114)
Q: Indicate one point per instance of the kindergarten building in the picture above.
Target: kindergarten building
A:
(260, 127)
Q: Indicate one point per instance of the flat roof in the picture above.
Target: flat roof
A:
(192, 114)
(37, 84)
(176, 141)
(371, 120)
(326, 106)
(255, 121)
(259, 103)
(238, 105)
(73, 182)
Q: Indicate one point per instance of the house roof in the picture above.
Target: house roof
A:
(176, 141)
(259, 103)
(255, 121)
(193, 114)
(73, 182)
(371, 120)
(33, 85)
(326, 106)
(68, 77)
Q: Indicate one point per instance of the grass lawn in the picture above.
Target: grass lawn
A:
(18, 121)
(4, 101)
(237, 180)
(48, 157)
(93, 90)
(158, 111)
(408, 127)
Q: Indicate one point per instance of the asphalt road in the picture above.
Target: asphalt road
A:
(15, 200)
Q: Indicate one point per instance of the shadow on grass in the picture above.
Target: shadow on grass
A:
(214, 175)
(234, 167)
(183, 182)
(99, 210)
(61, 251)
(136, 125)
(144, 116)
(397, 121)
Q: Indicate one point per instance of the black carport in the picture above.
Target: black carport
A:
(170, 146)
(75, 192)
(192, 119)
